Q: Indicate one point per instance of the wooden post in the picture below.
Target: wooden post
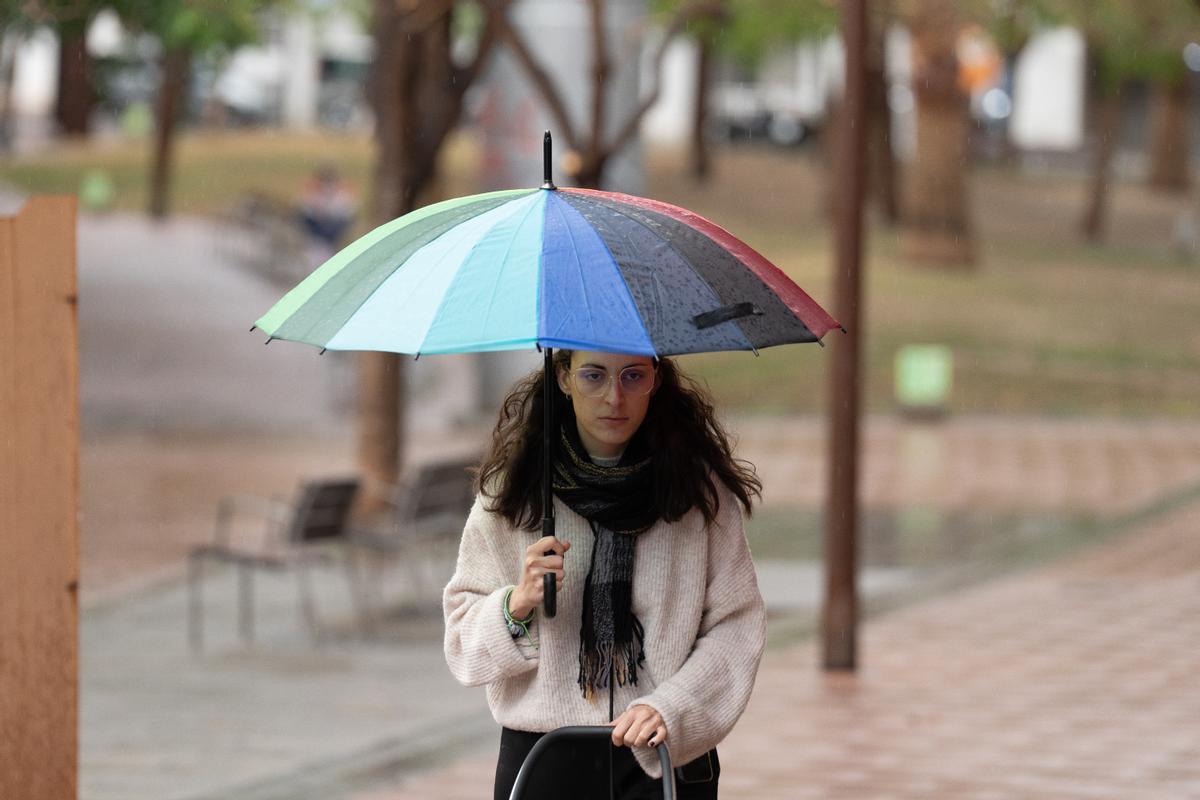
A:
(839, 614)
(39, 490)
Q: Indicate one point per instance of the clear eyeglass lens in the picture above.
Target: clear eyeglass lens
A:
(636, 380)
(595, 382)
(591, 381)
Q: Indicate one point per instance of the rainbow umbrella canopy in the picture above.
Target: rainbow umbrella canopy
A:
(547, 267)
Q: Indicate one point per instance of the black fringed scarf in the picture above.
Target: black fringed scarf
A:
(618, 502)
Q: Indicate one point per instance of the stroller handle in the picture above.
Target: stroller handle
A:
(586, 732)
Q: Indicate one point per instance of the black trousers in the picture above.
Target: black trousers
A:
(591, 770)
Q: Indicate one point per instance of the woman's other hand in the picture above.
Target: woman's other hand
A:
(529, 592)
(639, 726)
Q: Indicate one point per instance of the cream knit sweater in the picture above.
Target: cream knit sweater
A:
(694, 590)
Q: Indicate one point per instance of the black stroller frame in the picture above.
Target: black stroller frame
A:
(585, 732)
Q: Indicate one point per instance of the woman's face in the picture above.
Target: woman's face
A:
(610, 418)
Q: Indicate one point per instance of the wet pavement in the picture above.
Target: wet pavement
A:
(1072, 681)
(281, 716)
(358, 717)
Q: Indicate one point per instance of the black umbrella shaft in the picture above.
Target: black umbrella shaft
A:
(549, 601)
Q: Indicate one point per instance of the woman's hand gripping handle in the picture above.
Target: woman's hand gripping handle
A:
(541, 575)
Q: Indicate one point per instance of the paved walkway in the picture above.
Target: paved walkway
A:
(1025, 680)
(276, 718)
(1072, 681)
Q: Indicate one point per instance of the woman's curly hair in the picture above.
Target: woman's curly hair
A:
(692, 450)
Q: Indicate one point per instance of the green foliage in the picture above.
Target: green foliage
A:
(12, 13)
(68, 17)
(361, 10)
(1133, 40)
(758, 26)
(1012, 22)
(468, 20)
(195, 26)
(754, 27)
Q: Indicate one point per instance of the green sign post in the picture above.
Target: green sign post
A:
(923, 377)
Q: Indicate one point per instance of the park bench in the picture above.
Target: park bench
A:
(423, 524)
(262, 234)
(297, 535)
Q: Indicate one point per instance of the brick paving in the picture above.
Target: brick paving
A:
(1076, 680)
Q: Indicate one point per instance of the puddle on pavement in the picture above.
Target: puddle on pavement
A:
(926, 537)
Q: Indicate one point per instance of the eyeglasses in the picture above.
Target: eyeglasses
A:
(595, 381)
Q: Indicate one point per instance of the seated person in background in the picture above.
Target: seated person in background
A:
(327, 208)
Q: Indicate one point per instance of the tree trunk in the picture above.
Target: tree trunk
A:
(76, 95)
(8, 80)
(176, 65)
(937, 226)
(700, 163)
(381, 378)
(1107, 129)
(381, 388)
(417, 95)
(590, 175)
(1008, 147)
(1171, 142)
(881, 174)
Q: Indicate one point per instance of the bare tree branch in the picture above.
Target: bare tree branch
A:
(712, 9)
(460, 80)
(487, 40)
(541, 79)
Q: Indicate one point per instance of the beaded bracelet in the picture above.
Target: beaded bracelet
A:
(517, 627)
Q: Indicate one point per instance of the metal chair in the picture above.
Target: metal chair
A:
(295, 535)
(425, 512)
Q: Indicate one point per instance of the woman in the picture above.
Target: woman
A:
(660, 624)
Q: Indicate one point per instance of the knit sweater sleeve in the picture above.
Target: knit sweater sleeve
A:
(478, 647)
(701, 702)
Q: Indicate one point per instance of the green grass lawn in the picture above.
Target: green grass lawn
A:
(211, 171)
(1043, 324)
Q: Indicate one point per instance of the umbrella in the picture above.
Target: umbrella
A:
(544, 268)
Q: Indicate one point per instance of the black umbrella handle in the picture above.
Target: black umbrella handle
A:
(549, 591)
(549, 585)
